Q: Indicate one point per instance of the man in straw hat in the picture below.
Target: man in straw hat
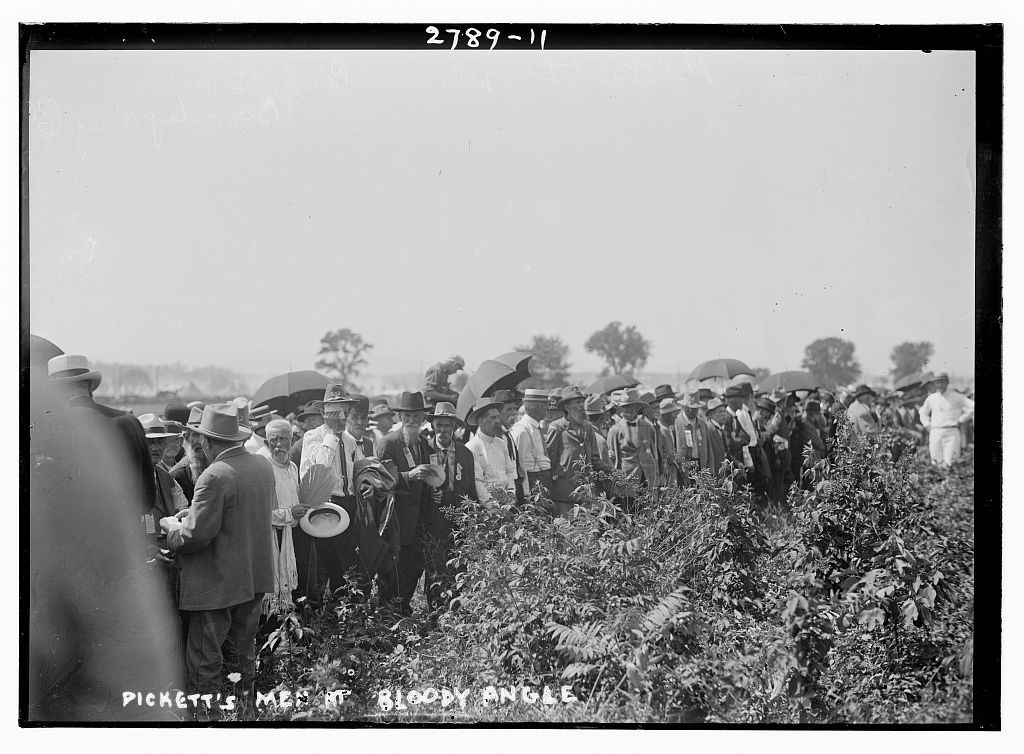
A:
(330, 450)
(634, 449)
(72, 375)
(530, 442)
(435, 382)
(571, 444)
(495, 468)
(941, 415)
(459, 483)
(409, 454)
(227, 560)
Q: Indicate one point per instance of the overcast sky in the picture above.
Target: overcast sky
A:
(230, 207)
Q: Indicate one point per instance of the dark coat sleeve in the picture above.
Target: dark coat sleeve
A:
(134, 437)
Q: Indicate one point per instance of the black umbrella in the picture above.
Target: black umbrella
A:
(724, 369)
(40, 351)
(491, 376)
(790, 382)
(611, 383)
(912, 380)
(285, 392)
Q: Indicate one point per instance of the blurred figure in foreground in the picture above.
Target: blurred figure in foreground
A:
(97, 627)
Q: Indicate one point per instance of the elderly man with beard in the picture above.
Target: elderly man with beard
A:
(356, 423)
(571, 444)
(409, 452)
(284, 517)
(459, 483)
(494, 467)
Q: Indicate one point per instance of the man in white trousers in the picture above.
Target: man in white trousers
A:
(941, 415)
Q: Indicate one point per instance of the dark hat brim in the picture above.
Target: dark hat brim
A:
(471, 418)
(243, 434)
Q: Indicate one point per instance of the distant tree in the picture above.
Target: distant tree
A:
(831, 360)
(341, 355)
(908, 358)
(760, 373)
(550, 365)
(623, 349)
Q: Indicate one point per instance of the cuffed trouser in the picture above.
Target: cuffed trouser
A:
(944, 444)
(219, 637)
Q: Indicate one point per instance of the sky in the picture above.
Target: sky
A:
(228, 208)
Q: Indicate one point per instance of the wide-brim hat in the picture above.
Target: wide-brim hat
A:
(325, 521)
(68, 368)
(410, 403)
(310, 409)
(154, 427)
(715, 403)
(444, 410)
(220, 422)
(595, 405)
(629, 397)
(361, 405)
(570, 393)
(334, 395)
(381, 409)
(862, 390)
(668, 406)
(480, 406)
(661, 392)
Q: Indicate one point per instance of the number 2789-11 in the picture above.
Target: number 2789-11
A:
(471, 37)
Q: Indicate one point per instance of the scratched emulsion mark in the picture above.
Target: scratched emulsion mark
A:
(262, 99)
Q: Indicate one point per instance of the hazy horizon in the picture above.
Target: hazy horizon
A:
(228, 208)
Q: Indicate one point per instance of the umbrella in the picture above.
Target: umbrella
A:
(286, 391)
(790, 382)
(40, 351)
(515, 359)
(492, 375)
(612, 383)
(722, 368)
(911, 380)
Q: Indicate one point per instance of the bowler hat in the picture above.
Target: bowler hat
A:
(155, 429)
(668, 406)
(176, 412)
(72, 368)
(444, 410)
(570, 393)
(220, 422)
(480, 406)
(664, 391)
(310, 409)
(410, 402)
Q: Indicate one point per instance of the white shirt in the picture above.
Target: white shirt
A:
(286, 484)
(946, 409)
(494, 467)
(322, 449)
(526, 435)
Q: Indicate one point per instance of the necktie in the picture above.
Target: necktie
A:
(344, 467)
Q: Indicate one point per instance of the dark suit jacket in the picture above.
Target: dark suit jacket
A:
(640, 459)
(464, 482)
(225, 542)
(134, 448)
(717, 452)
(569, 451)
(412, 498)
(699, 434)
(182, 474)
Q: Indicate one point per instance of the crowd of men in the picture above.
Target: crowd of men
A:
(229, 494)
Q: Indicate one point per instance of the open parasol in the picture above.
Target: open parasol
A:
(725, 369)
(912, 380)
(492, 375)
(611, 383)
(285, 392)
(790, 382)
